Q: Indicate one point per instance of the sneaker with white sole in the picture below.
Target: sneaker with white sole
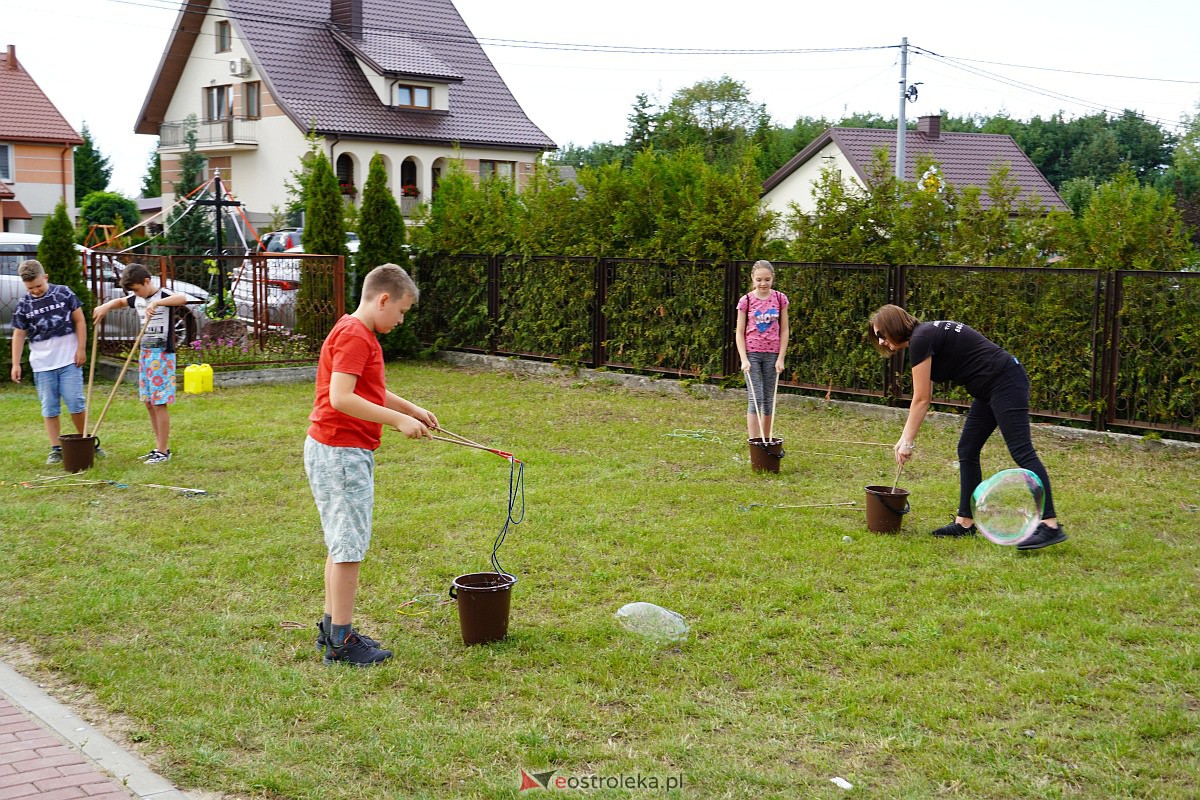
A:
(55, 456)
(157, 457)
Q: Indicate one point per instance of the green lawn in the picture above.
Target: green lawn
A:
(908, 666)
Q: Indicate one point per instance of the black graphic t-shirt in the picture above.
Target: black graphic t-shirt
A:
(960, 355)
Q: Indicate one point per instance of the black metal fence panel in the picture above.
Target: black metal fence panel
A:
(1112, 349)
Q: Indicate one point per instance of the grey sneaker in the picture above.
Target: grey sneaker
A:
(55, 456)
(157, 457)
(100, 451)
(323, 636)
(356, 652)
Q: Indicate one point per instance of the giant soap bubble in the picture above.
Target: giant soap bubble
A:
(1007, 507)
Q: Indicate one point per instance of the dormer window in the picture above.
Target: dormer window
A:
(224, 37)
(404, 96)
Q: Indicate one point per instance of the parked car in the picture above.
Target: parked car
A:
(286, 239)
(122, 323)
(282, 280)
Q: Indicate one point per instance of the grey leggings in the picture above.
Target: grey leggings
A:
(762, 377)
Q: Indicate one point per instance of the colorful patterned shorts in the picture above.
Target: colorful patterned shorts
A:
(156, 377)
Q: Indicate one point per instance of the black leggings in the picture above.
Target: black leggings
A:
(1006, 407)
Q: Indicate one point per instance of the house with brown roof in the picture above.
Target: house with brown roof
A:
(37, 147)
(405, 78)
(963, 159)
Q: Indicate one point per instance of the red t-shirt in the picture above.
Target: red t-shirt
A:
(351, 347)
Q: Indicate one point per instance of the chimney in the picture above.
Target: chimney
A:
(347, 16)
(11, 60)
(930, 126)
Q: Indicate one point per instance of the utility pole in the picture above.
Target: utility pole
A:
(901, 124)
(219, 202)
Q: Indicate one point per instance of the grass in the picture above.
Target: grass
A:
(911, 667)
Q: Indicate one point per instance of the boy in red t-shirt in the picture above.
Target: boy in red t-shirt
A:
(351, 407)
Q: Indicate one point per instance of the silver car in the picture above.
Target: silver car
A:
(121, 323)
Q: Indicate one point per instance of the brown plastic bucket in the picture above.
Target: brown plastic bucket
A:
(886, 508)
(483, 601)
(765, 454)
(78, 451)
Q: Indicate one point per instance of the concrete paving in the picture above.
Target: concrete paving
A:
(48, 752)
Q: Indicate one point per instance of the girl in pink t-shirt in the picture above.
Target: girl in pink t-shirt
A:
(762, 339)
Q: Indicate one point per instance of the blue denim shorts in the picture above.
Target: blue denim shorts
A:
(342, 480)
(58, 386)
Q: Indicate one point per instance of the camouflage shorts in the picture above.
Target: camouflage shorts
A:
(342, 480)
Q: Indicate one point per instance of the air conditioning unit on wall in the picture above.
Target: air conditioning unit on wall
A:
(239, 67)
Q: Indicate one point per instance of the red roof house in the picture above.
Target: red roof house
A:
(37, 165)
(964, 159)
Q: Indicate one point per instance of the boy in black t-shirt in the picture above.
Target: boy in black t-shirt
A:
(951, 351)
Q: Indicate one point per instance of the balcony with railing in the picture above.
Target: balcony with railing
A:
(230, 133)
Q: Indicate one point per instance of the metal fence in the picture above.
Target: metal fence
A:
(1107, 349)
(280, 308)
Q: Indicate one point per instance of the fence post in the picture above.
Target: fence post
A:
(730, 357)
(493, 303)
(599, 323)
(1110, 358)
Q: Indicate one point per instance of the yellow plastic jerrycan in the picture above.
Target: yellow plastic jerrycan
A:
(197, 379)
(191, 379)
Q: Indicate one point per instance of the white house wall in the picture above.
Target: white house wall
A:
(798, 187)
(257, 174)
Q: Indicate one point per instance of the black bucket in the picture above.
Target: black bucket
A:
(78, 451)
(886, 507)
(483, 602)
(765, 454)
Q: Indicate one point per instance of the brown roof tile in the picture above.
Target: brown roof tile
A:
(312, 73)
(966, 159)
(27, 115)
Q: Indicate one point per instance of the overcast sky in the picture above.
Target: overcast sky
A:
(95, 59)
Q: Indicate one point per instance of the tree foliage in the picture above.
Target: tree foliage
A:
(381, 224)
(61, 259)
(109, 208)
(189, 229)
(92, 170)
(152, 180)
(324, 234)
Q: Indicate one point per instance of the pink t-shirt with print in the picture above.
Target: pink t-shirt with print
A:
(762, 321)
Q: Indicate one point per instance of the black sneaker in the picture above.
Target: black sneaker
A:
(323, 636)
(1044, 536)
(356, 652)
(954, 529)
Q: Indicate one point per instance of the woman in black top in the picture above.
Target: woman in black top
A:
(952, 351)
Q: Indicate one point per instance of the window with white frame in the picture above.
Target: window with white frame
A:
(496, 169)
(405, 96)
(217, 103)
(6, 165)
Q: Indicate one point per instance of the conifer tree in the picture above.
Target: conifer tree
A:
(92, 170)
(381, 241)
(61, 260)
(189, 233)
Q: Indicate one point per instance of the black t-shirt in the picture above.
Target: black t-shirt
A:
(960, 354)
